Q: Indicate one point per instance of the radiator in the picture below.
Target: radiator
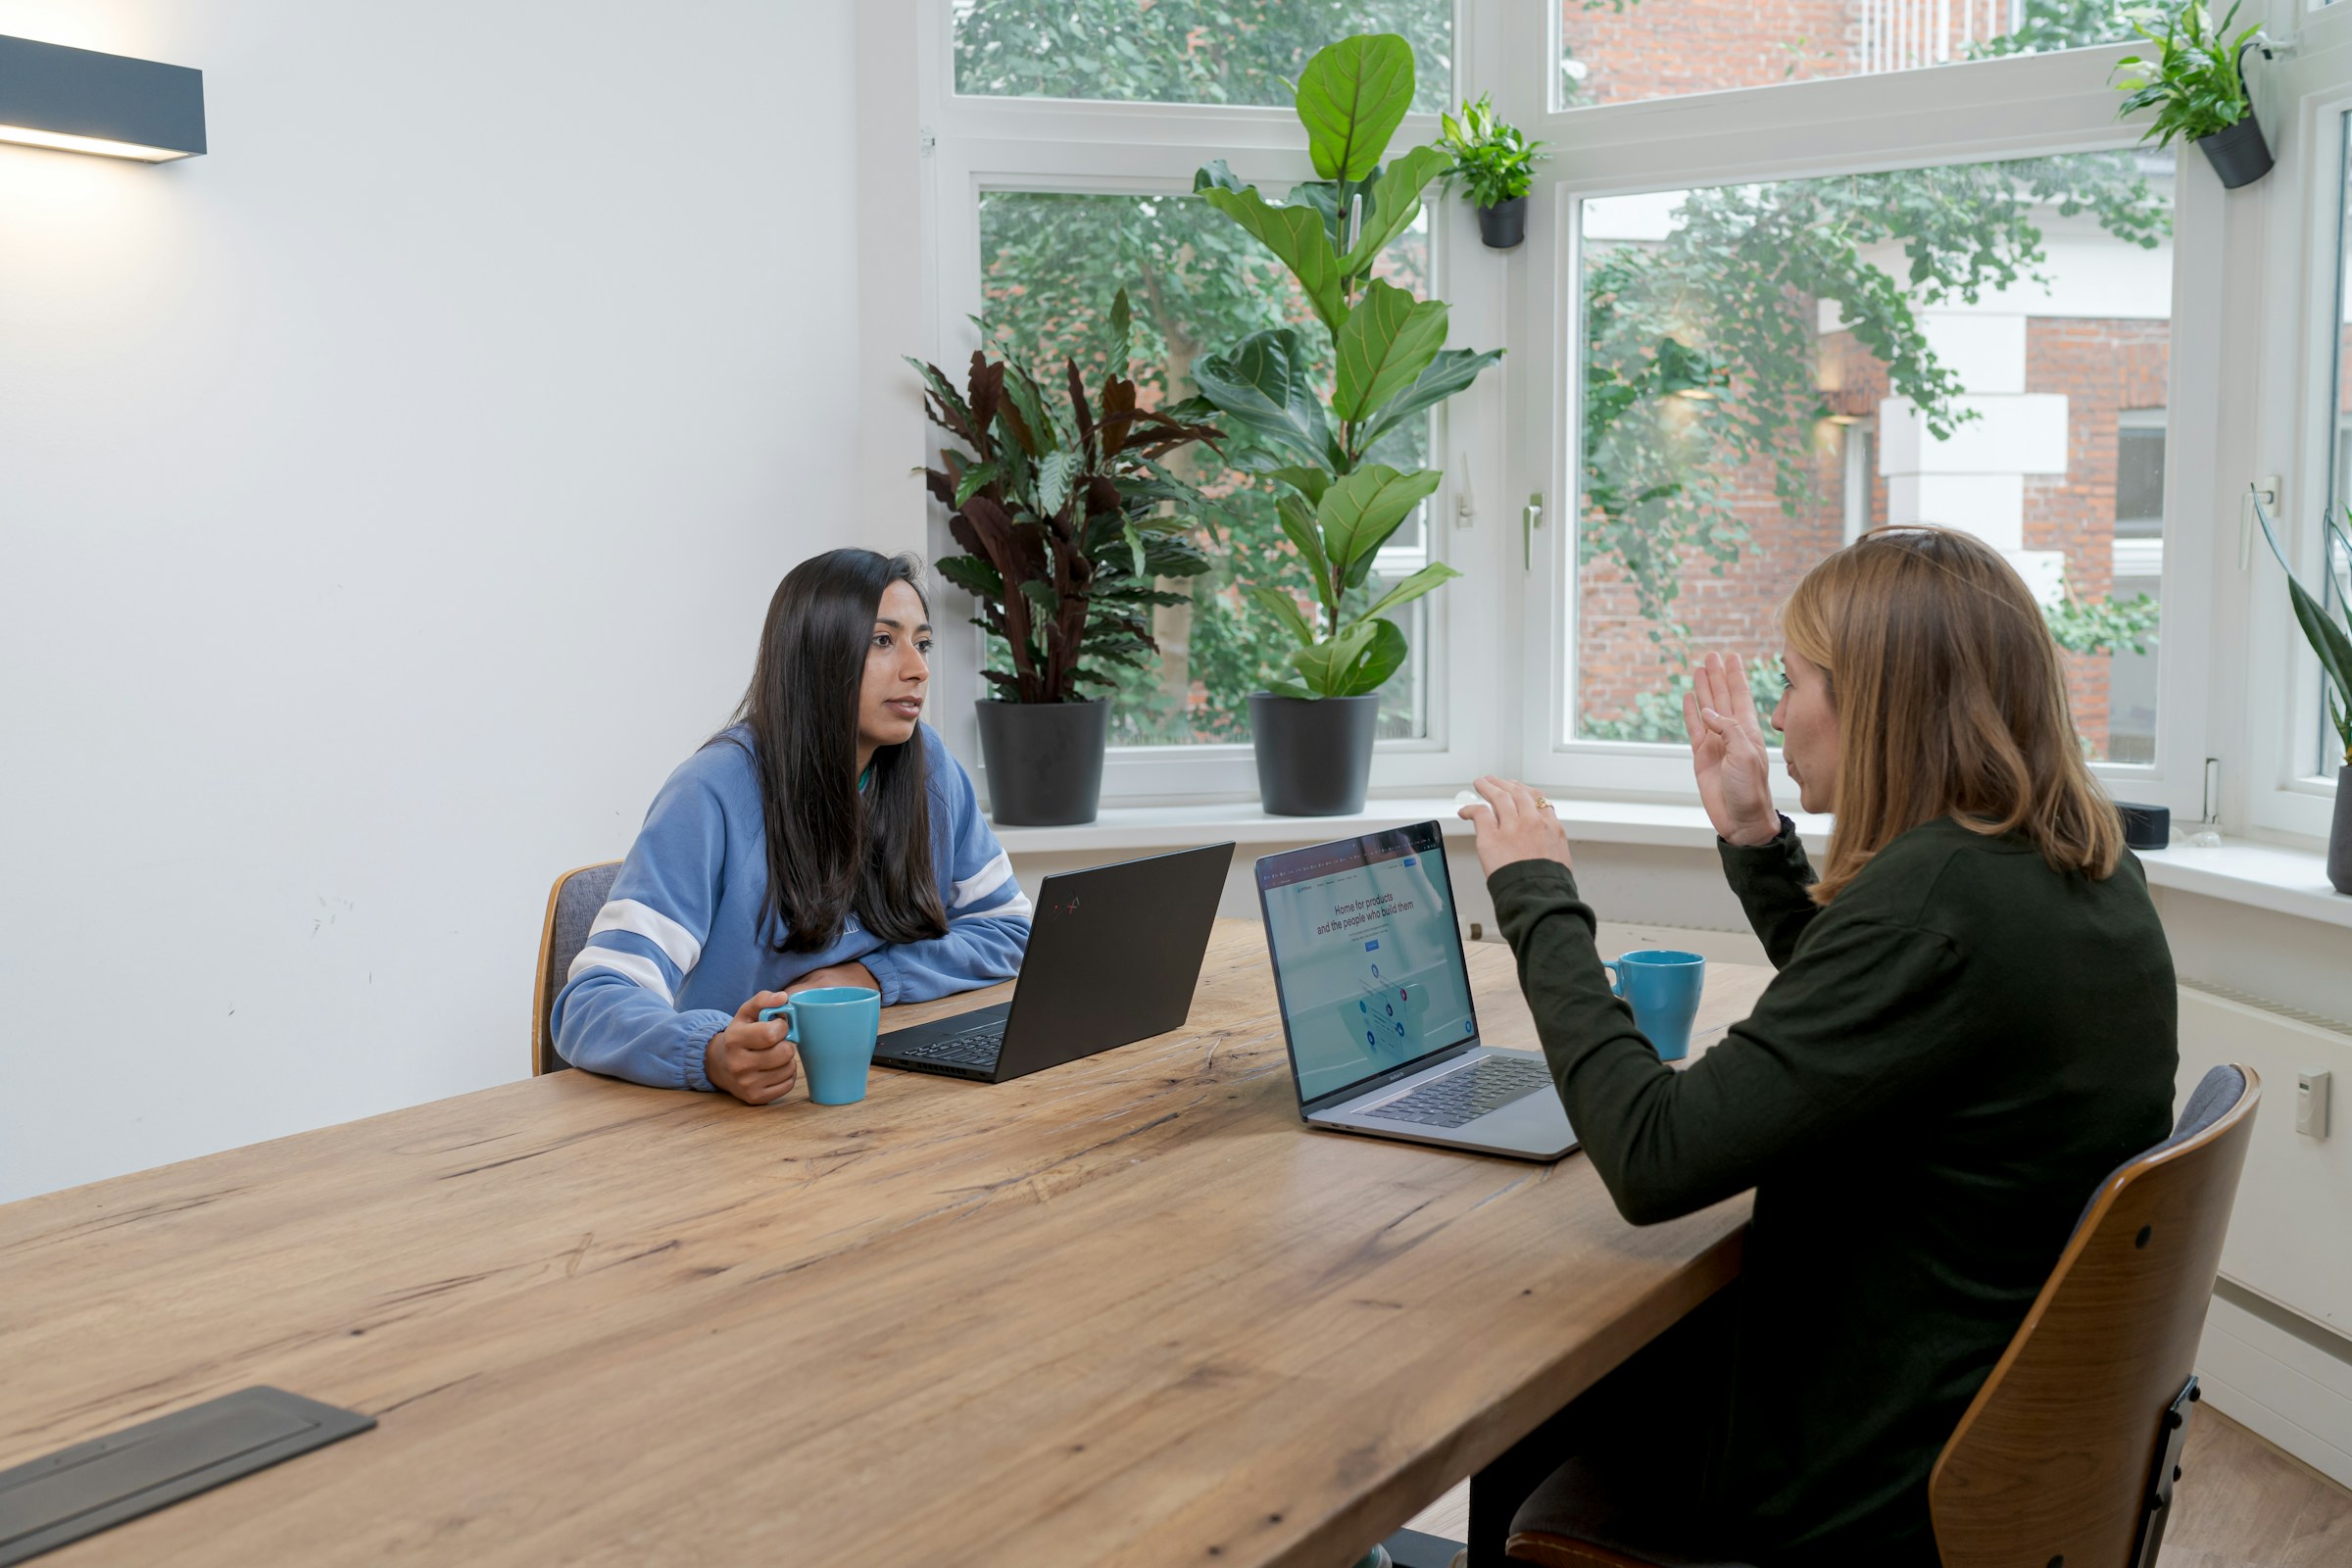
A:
(2290, 1238)
(2276, 1354)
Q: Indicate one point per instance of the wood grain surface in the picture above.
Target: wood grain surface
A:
(1126, 1311)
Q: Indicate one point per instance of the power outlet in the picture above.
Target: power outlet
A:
(2311, 1104)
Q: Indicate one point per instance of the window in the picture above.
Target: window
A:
(2329, 751)
(1050, 264)
(1623, 51)
(1768, 368)
(1183, 51)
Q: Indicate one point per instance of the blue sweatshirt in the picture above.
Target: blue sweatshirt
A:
(678, 946)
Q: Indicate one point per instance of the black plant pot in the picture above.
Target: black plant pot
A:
(1314, 754)
(2238, 155)
(1504, 224)
(2339, 842)
(1044, 761)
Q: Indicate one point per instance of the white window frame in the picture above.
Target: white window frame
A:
(2020, 107)
(2285, 302)
(977, 144)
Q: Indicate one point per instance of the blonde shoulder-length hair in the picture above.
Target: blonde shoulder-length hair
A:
(1950, 700)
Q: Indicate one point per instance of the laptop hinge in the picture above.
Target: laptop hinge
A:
(1364, 1086)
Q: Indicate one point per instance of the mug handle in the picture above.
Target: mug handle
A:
(792, 1027)
(1616, 981)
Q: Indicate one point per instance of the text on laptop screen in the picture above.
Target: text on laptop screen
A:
(1368, 958)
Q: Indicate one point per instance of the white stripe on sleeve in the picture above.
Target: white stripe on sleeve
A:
(632, 966)
(981, 883)
(1018, 904)
(644, 920)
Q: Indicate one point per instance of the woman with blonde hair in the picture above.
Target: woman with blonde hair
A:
(1972, 1023)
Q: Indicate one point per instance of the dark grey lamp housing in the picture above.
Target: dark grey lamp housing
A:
(80, 101)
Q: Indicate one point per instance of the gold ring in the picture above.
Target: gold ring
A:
(1542, 805)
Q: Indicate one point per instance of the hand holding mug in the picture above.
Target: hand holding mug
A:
(751, 1059)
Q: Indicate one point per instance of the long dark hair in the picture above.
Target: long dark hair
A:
(831, 847)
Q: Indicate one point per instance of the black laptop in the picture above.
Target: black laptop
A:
(1114, 953)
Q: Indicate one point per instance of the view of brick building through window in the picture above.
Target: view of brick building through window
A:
(2058, 376)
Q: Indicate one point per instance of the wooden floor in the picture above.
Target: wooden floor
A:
(2240, 1503)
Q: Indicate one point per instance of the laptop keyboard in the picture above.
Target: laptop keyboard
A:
(978, 1048)
(1469, 1093)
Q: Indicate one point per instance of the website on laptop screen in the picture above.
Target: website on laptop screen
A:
(1367, 955)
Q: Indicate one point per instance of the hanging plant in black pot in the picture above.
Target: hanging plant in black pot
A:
(1071, 521)
(2330, 639)
(1497, 164)
(1314, 725)
(2197, 86)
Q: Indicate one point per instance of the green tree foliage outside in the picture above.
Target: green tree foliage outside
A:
(1723, 306)
(1184, 51)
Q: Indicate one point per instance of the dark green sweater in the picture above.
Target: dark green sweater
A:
(1953, 1054)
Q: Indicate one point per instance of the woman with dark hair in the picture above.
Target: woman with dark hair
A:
(825, 838)
(1972, 1023)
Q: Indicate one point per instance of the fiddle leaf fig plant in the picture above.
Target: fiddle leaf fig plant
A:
(1388, 349)
(1069, 515)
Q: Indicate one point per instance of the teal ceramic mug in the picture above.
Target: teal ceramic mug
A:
(835, 1027)
(1662, 986)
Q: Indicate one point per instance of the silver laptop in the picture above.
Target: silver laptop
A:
(1375, 1003)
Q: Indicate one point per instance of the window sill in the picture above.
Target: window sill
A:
(1170, 827)
(2265, 876)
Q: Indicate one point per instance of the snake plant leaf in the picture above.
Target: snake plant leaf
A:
(1359, 661)
(1388, 340)
(1358, 512)
(1392, 205)
(1434, 575)
(2329, 641)
(1265, 383)
(1295, 235)
(1452, 370)
(1284, 609)
(1351, 97)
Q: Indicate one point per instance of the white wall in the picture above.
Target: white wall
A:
(388, 500)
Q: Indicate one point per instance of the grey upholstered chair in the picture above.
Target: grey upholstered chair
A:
(571, 908)
(2069, 1452)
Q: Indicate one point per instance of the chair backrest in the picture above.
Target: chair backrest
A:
(571, 907)
(2055, 1457)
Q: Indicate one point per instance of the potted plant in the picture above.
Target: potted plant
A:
(2198, 90)
(2332, 640)
(1495, 163)
(1313, 734)
(1066, 510)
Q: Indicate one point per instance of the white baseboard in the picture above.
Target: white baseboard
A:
(2280, 1377)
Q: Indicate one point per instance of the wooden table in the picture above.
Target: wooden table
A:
(1126, 1311)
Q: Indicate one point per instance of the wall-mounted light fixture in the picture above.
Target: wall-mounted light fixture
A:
(80, 101)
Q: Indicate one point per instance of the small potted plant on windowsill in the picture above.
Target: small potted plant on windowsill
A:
(1071, 522)
(1497, 164)
(2331, 638)
(2197, 87)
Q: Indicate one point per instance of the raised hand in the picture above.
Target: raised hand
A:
(1727, 752)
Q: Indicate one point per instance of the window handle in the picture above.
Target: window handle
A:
(1531, 517)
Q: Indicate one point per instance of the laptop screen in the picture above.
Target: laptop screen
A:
(1368, 956)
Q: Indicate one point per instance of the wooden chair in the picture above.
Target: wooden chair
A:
(2068, 1454)
(571, 907)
